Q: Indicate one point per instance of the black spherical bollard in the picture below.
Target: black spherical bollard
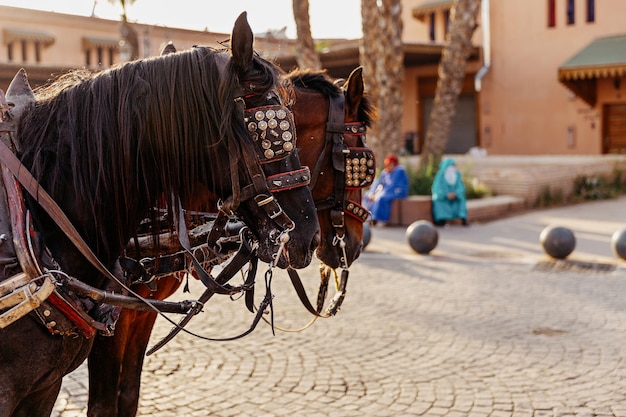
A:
(557, 241)
(367, 235)
(422, 236)
(618, 243)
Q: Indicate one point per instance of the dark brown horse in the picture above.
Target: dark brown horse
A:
(115, 362)
(106, 148)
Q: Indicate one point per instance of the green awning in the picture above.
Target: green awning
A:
(603, 58)
(422, 11)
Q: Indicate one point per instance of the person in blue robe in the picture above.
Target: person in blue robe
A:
(392, 184)
(448, 194)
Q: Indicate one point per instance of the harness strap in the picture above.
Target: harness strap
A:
(143, 270)
(260, 191)
(212, 284)
(288, 180)
(17, 215)
(242, 256)
(23, 297)
(254, 262)
(101, 296)
(85, 324)
(219, 225)
(334, 304)
(21, 173)
(335, 128)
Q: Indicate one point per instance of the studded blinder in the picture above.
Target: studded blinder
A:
(273, 131)
(360, 168)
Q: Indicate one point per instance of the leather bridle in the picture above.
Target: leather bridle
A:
(354, 168)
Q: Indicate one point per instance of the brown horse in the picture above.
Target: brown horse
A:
(115, 362)
(103, 149)
(337, 193)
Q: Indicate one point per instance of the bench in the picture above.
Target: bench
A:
(419, 207)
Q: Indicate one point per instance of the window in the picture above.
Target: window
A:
(570, 12)
(431, 26)
(27, 45)
(24, 55)
(551, 13)
(37, 51)
(446, 16)
(99, 52)
(591, 11)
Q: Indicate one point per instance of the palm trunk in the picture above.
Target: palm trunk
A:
(463, 21)
(382, 58)
(306, 56)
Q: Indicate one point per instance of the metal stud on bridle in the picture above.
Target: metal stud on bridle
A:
(273, 130)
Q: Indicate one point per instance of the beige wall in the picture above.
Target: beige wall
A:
(522, 108)
(416, 30)
(523, 104)
(68, 50)
(68, 31)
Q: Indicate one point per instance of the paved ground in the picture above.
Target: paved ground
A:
(486, 325)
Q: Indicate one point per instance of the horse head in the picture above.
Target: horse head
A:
(332, 121)
(269, 185)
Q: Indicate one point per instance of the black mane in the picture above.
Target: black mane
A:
(319, 81)
(108, 146)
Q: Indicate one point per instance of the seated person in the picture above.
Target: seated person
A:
(448, 194)
(393, 183)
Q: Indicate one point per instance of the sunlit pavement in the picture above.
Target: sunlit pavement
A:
(486, 325)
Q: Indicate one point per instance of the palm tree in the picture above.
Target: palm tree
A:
(382, 58)
(130, 40)
(306, 55)
(463, 22)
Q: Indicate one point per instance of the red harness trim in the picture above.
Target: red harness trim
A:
(69, 311)
(354, 209)
(289, 180)
(85, 325)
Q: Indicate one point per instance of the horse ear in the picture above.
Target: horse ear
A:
(355, 89)
(19, 94)
(168, 49)
(241, 43)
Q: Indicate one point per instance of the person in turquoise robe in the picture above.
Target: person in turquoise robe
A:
(448, 194)
(393, 183)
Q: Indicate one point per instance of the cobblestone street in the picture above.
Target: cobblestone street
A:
(491, 328)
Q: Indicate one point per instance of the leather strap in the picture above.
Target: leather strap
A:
(21, 173)
(238, 261)
(22, 301)
(334, 304)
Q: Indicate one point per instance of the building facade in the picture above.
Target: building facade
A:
(48, 43)
(550, 78)
(547, 76)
